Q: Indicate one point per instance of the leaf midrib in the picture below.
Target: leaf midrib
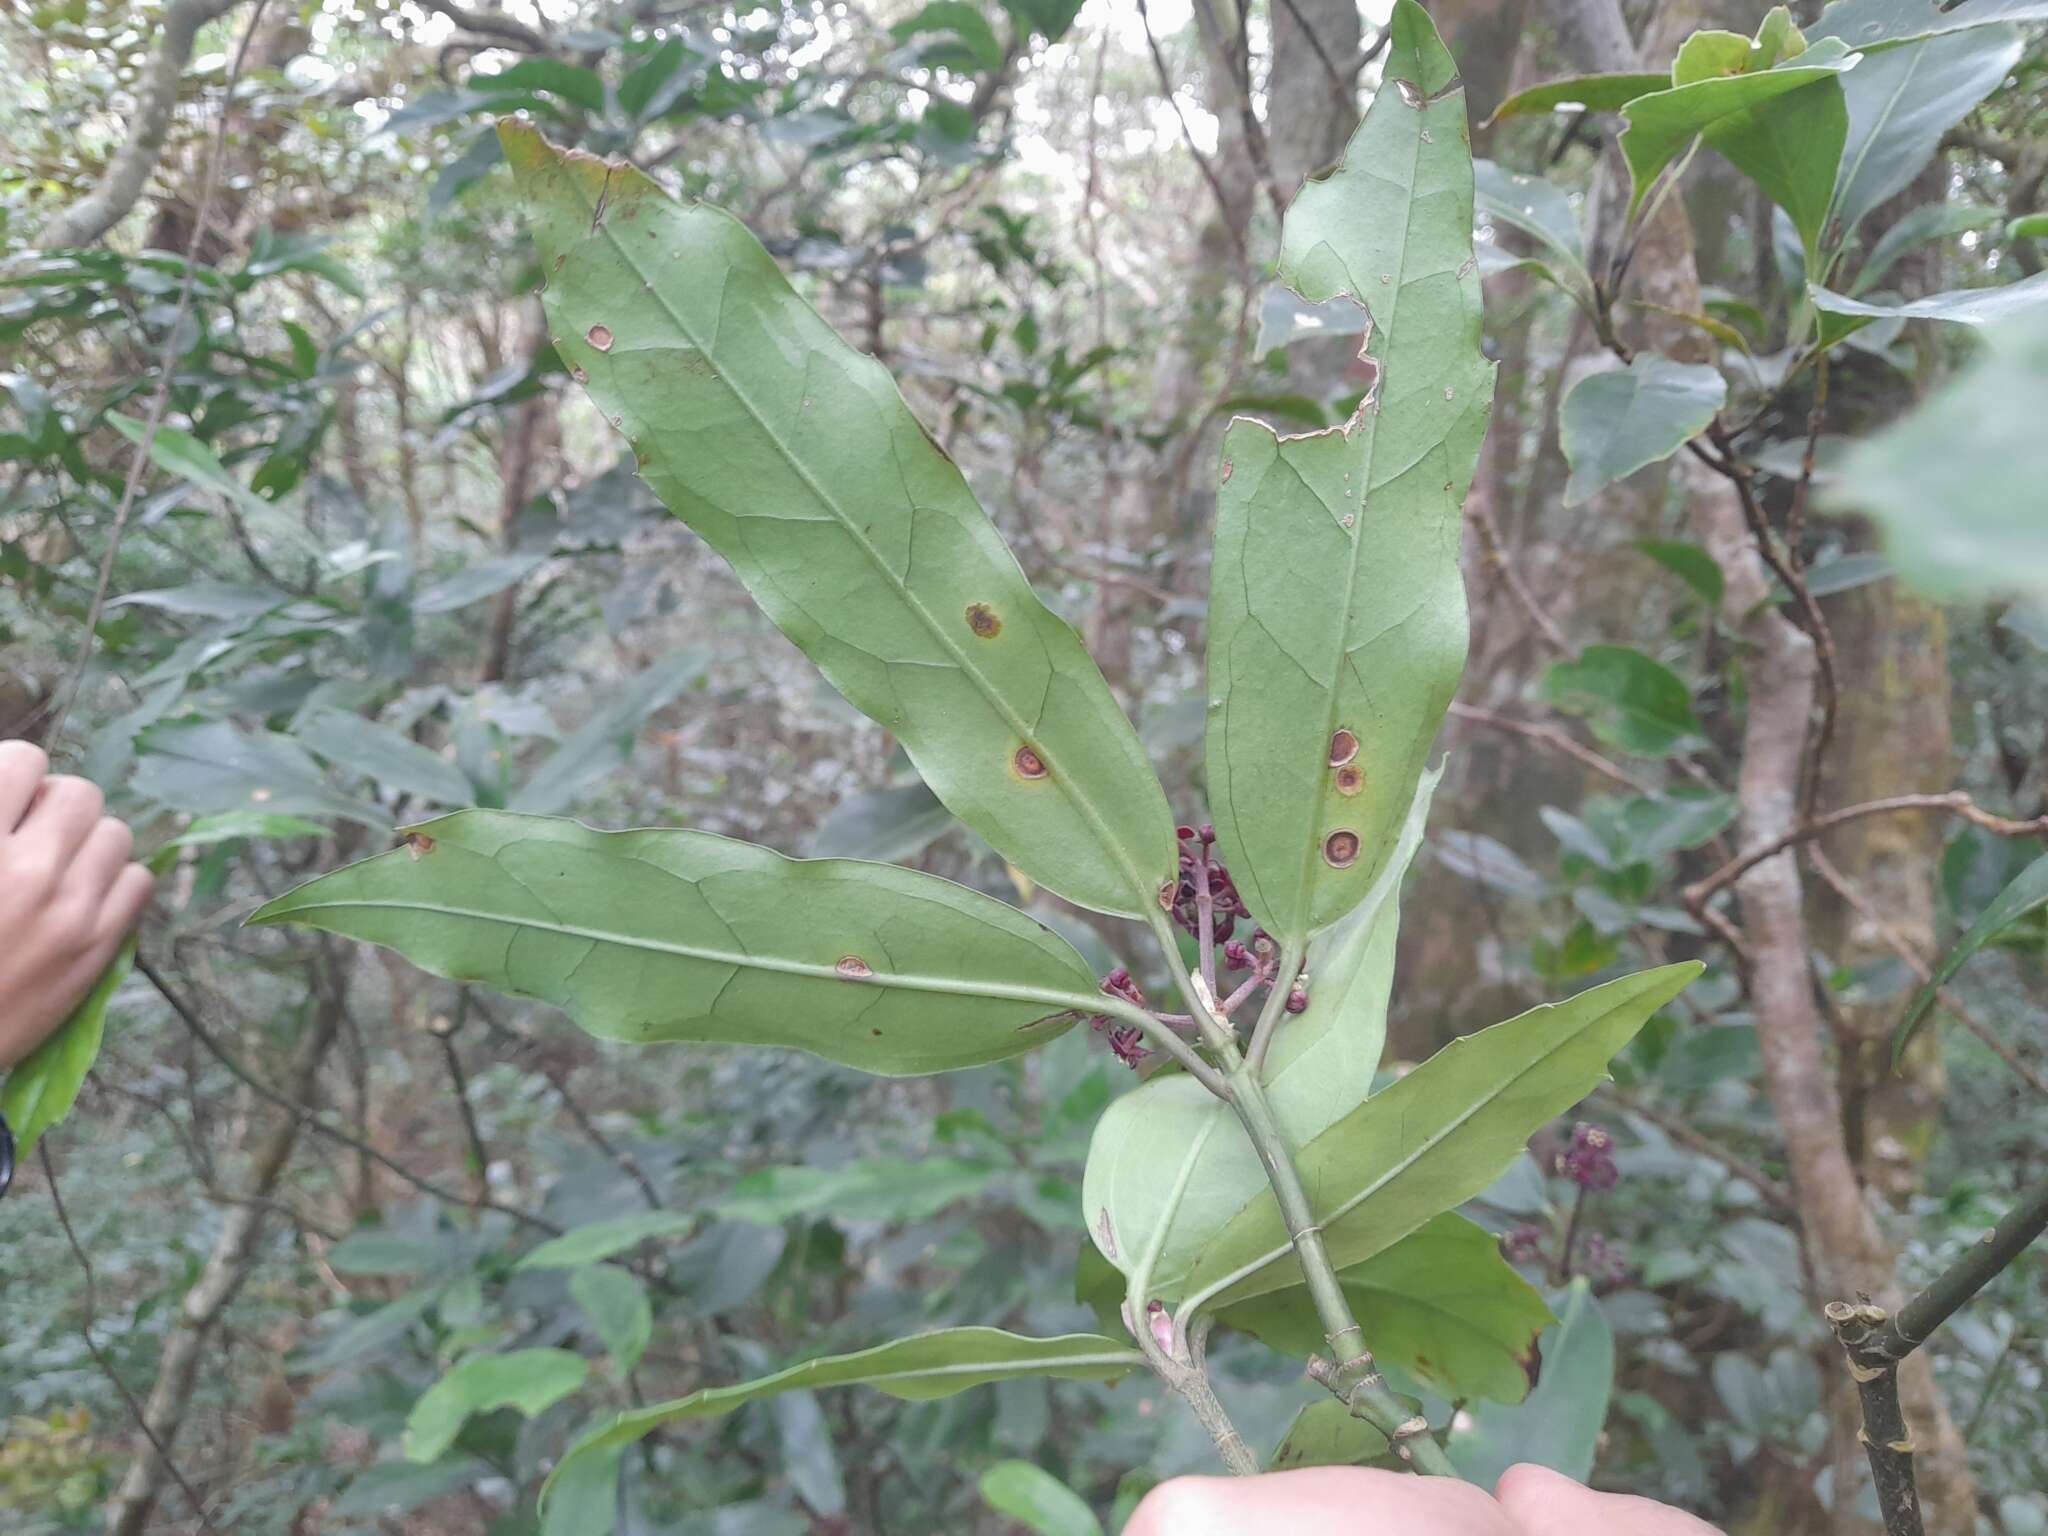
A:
(1083, 805)
(1066, 1002)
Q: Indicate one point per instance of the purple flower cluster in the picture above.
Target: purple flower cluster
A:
(1126, 1041)
(1197, 867)
(1524, 1245)
(1588, 1161)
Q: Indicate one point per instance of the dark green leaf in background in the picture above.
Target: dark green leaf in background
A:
(1617, 422)
(527, 1379)
(2028, 892)
(1036, 1499)
(1632, 701)
(1559, 1424)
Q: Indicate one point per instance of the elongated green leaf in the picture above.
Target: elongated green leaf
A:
(1874, 25)
(1617, 422)
(963, 21)
(1900, 104)
(616, 1303)
(378, 752)
(1936, 221)
(2028, 226)
(671, 935)
(1691, 564)
(177, 452)
(1324, 1434)
(1591, 93)
(1337, 615)
(211, 767)
(571, 82)
(1959, 306)
(1538, 209)
(1632, 701)
(882, 824)
(1034, 1498)
(43, 1085)
(1559, 1424)
(1442, 1304)
(1435, 1138)
(604, 742)
(474, 583)
(530, 1380)
(1783, 128)
(931, 1365)
(1169, 1165)
(1956, 484)
(2027, 892)
(598, 1240)
(796, 458)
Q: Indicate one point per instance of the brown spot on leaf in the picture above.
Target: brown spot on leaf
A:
(1340, 848)
(983, 621)
(1228, 467)
(579, 375)
(600, 337)
(419, 845)
(1029, 764)
(1343, 748)
(559, 259)
(853, 968)
(1106, 1230)
(1166, 894)
(1350, 779)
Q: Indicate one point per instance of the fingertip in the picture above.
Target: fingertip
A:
(129, 895)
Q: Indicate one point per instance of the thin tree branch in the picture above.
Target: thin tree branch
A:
(1956, 802)
(1555, 739)
(491, 24)
(1208, 169)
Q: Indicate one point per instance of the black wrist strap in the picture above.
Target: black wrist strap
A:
(6, 1156)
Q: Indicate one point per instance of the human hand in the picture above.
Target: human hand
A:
(68, 895)
(1343, 1501)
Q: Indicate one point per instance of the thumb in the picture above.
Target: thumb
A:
(1541, 1502)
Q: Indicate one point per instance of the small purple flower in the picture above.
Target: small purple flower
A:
(1127, 1042)
(1589, 1159)
(1524, 1245)
(1236, 956)
(1603, 1261)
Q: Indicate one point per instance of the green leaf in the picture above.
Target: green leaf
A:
(598, 1240)
(571, 82)
(1936, 221)
(1436, 1137)
(43, 1085)
(1874, 25)
(378, 752)
(2028, 226)
(211, 767)
(1956, 485)
(960, 20)
(1691, 564)
(1711, 54)
(1615, 423)
(888, 1189)
(1036, 1499)
(795, 457)
(1337, 614)
(882, 824)
(1559, 1425)
(1783, 128)
(1591, 93)
(208, 830)
(603, 744)
(919, 1369)
(1900, 104)
(474, 583)
(616, 1303)
(1441, 1304)
(1959, 306)
(1324, 1434)
(1169, 1165)
(531, 1380)
(641, 92)
(673, 935)
(177, 452)
(1538, 209)
(1632, 701)
(2027, 892)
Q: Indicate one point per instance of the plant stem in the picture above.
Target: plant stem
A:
(1877, 1341)
(1349, 1373)
(1286, 969)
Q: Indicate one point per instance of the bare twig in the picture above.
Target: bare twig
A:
(1166, 89)
(91, 1303)
(1774, 1194)
(1494, 548)
(1555, 739)
(491, 24)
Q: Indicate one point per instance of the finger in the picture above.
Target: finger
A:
(1541, 1502)
(61, 819)
(22, 766)
(124, 902)
(1318, 1501)
(100, 860)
